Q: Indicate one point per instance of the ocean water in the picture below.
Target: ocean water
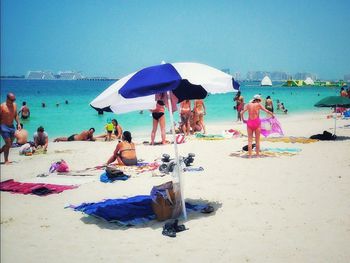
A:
(60, 119)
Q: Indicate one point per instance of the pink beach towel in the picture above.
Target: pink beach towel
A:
(270, 126)
(27, 188)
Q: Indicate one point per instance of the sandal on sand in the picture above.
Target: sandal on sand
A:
(207, 210)
(168, 230)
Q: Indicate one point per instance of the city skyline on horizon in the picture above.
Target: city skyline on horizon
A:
(104, 39)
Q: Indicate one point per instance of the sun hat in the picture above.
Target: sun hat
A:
(257, 97)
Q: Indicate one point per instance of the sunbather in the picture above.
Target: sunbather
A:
(125, 152)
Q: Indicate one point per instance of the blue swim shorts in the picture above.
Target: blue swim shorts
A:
(7, 131)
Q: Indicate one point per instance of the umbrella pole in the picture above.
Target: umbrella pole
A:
(178, 167)
(335, 120)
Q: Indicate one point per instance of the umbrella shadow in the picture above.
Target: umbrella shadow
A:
(154, 224)
(342, 138)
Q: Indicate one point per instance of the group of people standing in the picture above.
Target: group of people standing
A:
(192, 120)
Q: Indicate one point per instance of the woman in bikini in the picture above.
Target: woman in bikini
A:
(199, 112)
(239, 104)
(125, 152)
(254, 122)
(158, 118)
(185, 114)
(269, 104)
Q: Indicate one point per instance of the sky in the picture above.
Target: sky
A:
(113, 38)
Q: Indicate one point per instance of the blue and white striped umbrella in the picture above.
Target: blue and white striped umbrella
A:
(186, 80)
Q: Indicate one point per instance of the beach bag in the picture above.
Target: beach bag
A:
(163, 200)
(112, 172)
(60, 167)
(26, 149)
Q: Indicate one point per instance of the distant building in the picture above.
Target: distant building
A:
(69, 75)
(40, 75)
(347, 77)
(305, 75)
(279, 75)
(257, 75)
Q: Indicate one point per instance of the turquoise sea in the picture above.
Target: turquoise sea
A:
(77, 115)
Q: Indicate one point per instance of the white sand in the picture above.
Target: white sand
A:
(282, 209)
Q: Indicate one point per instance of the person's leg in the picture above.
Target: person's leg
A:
(61, 139)
(154, 131)
(162, 128)
(250, 141)
(6, 149)
(188, 127)
(257, 141)
(201, 121)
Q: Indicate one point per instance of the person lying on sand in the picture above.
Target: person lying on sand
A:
(83, 136)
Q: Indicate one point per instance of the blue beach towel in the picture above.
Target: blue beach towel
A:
(128, 212)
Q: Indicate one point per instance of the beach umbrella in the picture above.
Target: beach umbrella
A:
(186, 81)
(334, 102)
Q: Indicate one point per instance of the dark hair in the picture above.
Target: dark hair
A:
(92, 129)
(24, 103)
(127, 136)
(116, 122)
(160, 102)
(268, 97)
(40, 129)
(21, 125)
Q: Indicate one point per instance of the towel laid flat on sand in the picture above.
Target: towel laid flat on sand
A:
(290, 139)
(33, 188)
(130, 211)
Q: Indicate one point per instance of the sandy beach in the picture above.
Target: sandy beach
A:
(273, 209)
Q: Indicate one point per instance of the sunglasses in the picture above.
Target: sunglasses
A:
(13, 100)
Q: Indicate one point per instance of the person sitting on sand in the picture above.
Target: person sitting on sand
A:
(41, 139)
(21, 136)
(254, 122)
(125, 152)
(24, 112)
(83, 136)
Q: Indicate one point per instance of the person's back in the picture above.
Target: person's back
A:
(21, 136)
(253, 110)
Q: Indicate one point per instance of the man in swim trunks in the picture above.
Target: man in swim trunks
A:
(83, 136)
(254, 122)
(185, 114)
(8, 113)
(125, 152)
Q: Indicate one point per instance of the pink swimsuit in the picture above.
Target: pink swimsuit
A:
(254, 124)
